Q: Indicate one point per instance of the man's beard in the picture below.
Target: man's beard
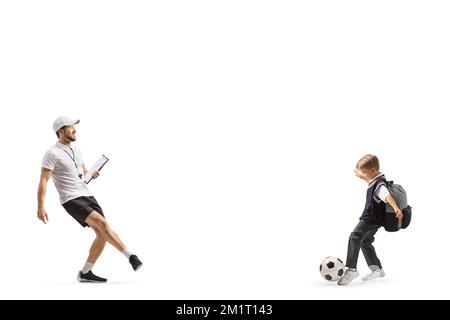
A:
(70, 138)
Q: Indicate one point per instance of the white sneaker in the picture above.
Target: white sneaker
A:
(375, 274)
(348, 277)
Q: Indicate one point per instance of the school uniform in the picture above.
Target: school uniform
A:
(371, 220)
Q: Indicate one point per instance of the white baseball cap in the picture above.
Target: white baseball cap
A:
(63, 121)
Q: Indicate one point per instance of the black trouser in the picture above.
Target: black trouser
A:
(362, 238)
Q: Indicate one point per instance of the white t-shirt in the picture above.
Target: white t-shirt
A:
(60, 159)
(381, 192)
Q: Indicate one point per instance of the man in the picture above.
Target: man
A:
(65, 165)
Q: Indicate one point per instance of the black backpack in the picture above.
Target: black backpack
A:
(391, 223)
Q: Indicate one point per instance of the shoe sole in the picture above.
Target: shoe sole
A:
(89, 281)
(381, 276)
(344, 284)
(138, 267)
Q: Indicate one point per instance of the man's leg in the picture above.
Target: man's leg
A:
(86, 275)
(97, 247)
(98, 222)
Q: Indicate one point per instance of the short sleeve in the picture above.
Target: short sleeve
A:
(382, 193)
(49, 161)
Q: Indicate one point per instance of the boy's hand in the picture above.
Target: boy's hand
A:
(95, 174)
(398, 213)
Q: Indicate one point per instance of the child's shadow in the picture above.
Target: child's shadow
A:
(355, 283)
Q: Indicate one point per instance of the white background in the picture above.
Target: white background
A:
(233, 128)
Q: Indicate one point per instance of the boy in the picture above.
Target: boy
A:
(368, 169)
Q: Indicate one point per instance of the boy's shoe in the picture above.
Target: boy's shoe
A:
(348, 277)
(135, 262)
(90, 277)
(375, 274)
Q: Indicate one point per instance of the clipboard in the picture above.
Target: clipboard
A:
(96, 167)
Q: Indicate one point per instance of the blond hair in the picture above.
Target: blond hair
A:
(369, 161)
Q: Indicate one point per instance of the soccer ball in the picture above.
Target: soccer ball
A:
(332, 269)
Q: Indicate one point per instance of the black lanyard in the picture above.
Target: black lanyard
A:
(73, 159)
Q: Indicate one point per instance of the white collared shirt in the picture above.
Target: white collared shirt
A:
(382, 192)
(60, 159)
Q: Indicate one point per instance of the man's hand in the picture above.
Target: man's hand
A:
(95, 174)
(398, 213)
(42, 215)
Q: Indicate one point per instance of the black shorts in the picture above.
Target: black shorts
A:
(79, 208)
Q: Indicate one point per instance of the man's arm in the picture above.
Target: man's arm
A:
(85, 171)
(42, 190)
(95, 174)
